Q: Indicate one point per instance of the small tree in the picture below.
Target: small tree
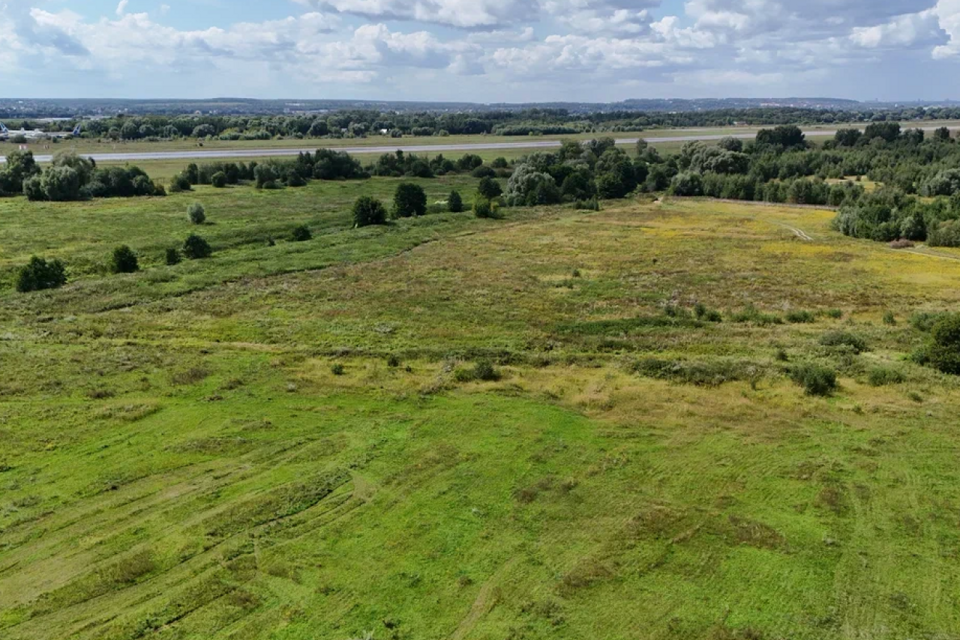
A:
(197, 213)
(195, 247)
(39, 274)
(409, 200)
(944, 350)
(219, 180)
(124, 260)
(172, 256)
(180, 182)
(301, 233)
(368, 211)
(489, 188)
(454, 202)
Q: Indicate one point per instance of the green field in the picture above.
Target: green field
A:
(180, 460)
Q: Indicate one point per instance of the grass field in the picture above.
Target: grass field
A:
(181, 461)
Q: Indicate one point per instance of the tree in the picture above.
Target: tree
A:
(784, 136)
(124, 260)
(39, 274)
(197, 213)
(529, 187)
(483, 208)
(454, 202)
(887, 131)
(301, 233)
(196, 248)
(847, 137)
(642, 146)
(490, 188)
(615, 175)
(20, 166)
(409, 200)
(944, 350)
(731, 144)
(60, 184)
(219, 180)
(368, 211)
(579, 185)
(687, 184)
(942, 134)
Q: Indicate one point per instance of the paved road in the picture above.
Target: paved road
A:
(203, 154)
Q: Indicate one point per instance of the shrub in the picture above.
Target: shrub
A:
(486, 372)
(301, 233)
(836, 339)
(172, 256)
(337, 369)
(588, 205)
(889, 319)
(751, 314)
(454, 202)
(409, 200)
(943, 352)
(219, 180)
(197, 213)
(484, 172)
(708, 315)
(835, 314)
(697, 373)
(489, 188)
(880, 377)
(180, 182)
(33, 189)
(815, 380)
(196, 248)
(483, 208)
(124, 260)
(393, 361)
(800, 317)
(39, 274)
(368, 211)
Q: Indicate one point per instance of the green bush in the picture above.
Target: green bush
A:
(219, 180)
(409, 200)
(368, 211)
(943, 352)
(454, 202)
(39, 274)
(800, 317)
(486, 372)
(815, 380)
(489, 188)
(196, 248)
(881, 377)
(180, 182)
(835, 314)
(197, 213)
(836, 339)
(483, 208)
(338, 369)
(750, 314)
(697, 373)
(301, 233)
(124, 260)
(588, 205)
(172, 256)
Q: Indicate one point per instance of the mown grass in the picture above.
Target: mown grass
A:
(505, 451)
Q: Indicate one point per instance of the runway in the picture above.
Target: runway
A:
(239, 154)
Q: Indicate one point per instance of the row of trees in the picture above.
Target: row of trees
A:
(71, 177)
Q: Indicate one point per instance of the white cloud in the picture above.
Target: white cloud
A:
(122, 7)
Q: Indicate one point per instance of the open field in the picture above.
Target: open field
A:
(181, 461)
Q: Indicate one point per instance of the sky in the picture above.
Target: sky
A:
(480, 50)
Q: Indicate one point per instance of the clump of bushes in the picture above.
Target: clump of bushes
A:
(843, 339)
(368, 211)
(801, 317)
(489, 188)
(815, 379)
(172, 256)
(124, 260)
(483, 371)
(706, 315)
(40, 274)
(701, 374)
(483, 208)
(219, 180)
(196, 248)
(881, 377)
(751, 314)
(588, 205)
(197, 213)
(301, 233)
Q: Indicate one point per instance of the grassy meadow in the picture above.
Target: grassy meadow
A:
(290, 441)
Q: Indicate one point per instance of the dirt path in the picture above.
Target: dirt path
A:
(483, 604)
(924, 251)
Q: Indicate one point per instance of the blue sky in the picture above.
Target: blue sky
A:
(481, 50)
